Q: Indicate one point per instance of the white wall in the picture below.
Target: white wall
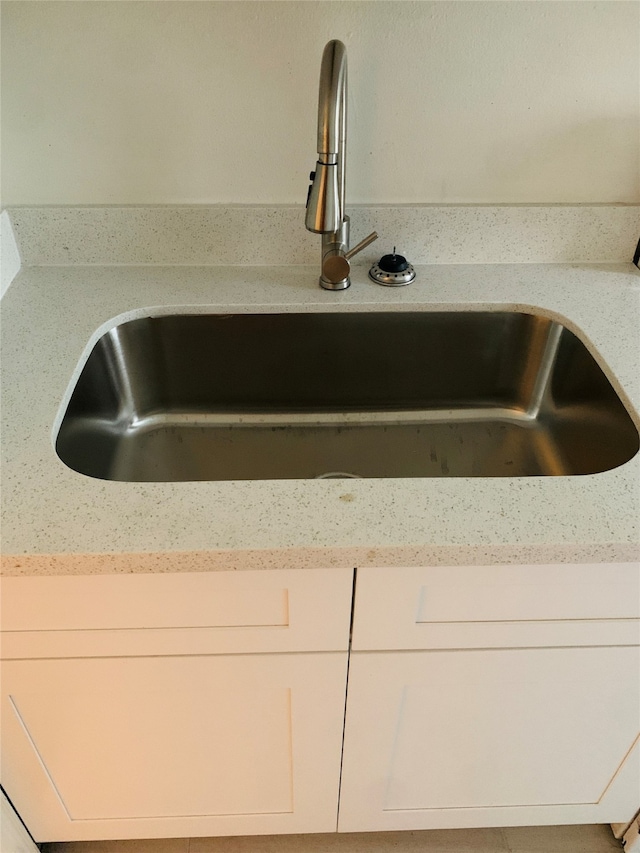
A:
(203, 102)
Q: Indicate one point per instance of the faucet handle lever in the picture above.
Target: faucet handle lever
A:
(335, 264)
(361, 245)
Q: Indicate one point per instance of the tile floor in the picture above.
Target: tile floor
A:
(540, 839)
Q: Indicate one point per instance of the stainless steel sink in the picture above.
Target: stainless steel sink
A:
(416, 394)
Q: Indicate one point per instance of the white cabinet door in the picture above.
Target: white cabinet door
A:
(439, 739)
(174, 746)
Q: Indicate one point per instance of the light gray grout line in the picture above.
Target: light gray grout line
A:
(505, 838)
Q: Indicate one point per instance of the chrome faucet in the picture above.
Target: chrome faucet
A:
(326, 198)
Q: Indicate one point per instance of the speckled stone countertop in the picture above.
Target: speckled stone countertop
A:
(56, 521)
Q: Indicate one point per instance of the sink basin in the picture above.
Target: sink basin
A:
(379, 394)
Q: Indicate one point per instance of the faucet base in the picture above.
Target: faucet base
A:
(335, 266)
(334, 285)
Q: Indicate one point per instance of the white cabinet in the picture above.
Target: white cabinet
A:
(213, 703)
(505, 696)
(168, 719)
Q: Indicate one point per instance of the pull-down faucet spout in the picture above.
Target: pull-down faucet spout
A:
(326, 200)
(325, 210)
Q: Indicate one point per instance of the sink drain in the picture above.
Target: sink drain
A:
(338, 475)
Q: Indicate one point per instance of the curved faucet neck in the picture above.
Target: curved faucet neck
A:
(332, 113)
(326, 201)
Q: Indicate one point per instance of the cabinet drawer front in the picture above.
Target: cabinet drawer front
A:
(187, 613)
(494, 606)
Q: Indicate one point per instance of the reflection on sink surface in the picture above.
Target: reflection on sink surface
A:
(270, 396)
